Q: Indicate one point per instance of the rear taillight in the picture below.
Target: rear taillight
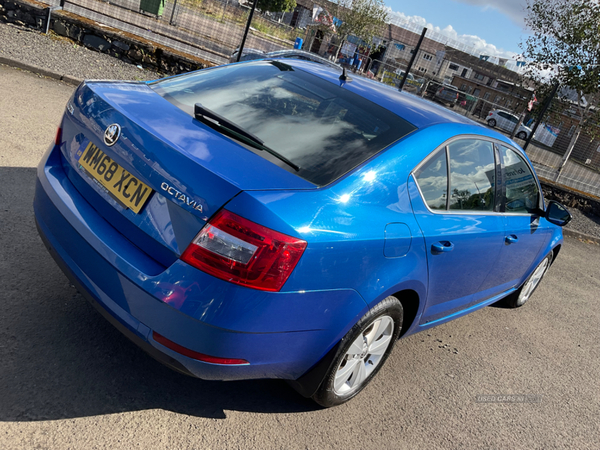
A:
(58, 137)
(491, 114)
(237, 250)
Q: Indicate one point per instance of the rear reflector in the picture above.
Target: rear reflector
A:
(237, 250)
(195, 355)
(58, 138)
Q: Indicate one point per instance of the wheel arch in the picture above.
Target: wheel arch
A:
(409, 299)
(555, 252)
(411, 294)
(309, 382)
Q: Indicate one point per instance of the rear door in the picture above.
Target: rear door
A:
(503, 120)
(456, 210)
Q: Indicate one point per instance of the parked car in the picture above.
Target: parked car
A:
(411, 84)
(447, 95)
(507, 121)
(265, 220)
(253, 54)
(401, 73)
(430, 89)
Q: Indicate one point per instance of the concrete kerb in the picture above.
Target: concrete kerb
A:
(40, 71)
(581, 236)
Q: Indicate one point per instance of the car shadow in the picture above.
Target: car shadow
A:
(61, 359)
(500, 304)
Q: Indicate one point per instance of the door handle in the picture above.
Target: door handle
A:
(442, 246)
(512, 239)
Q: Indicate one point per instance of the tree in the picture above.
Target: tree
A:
(564, 48)
(361, 18)
(276, 5)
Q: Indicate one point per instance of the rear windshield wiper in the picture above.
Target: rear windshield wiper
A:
(211, 118)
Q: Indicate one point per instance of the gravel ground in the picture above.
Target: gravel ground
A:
(61, 55)
(584, 223)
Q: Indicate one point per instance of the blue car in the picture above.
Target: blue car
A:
(278, 219)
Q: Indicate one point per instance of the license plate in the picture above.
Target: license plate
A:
(123, 186)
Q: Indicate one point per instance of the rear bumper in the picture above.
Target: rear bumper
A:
(282, 335)
(138, 336)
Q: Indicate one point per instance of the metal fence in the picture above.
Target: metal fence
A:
(213, 30)
(574, 175)
(548, 146)
(209, 29)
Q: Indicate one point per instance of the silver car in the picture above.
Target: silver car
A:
(507, 121)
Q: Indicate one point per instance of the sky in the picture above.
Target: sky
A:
(494, 27)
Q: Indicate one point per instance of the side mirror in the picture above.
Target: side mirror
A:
(557, 214)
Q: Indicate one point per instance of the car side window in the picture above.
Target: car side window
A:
(522, 193)
(472, 175)
(432, 179)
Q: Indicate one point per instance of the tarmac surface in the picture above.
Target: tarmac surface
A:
(496, 379)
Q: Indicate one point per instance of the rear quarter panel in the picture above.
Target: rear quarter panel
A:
(345, 223)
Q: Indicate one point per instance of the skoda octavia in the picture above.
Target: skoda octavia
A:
(278, 219)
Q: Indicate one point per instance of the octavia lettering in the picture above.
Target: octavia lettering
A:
(120, 184)
(179, 196)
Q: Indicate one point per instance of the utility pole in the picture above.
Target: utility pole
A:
(241, 49)
(516, 129)
(173, 13)
(412, 60)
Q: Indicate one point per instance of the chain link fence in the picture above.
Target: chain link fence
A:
(549, 144)
(209, 29)
(213, 30)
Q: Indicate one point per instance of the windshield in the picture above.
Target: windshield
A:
(319, 126)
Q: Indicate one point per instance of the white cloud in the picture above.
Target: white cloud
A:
(448, 35)
(515, 10)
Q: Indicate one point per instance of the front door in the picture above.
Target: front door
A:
(526, 232)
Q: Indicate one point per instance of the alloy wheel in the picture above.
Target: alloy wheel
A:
(364, 355)
(533, 281)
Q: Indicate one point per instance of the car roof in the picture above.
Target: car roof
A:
(505, 112)
(421, 113)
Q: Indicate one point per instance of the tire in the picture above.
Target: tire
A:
(492, 123)
(354, 366)
(522, 135)
(520, 297)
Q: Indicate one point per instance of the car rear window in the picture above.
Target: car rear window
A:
(318, 125)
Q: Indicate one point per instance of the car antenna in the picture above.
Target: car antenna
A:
(344, 78)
